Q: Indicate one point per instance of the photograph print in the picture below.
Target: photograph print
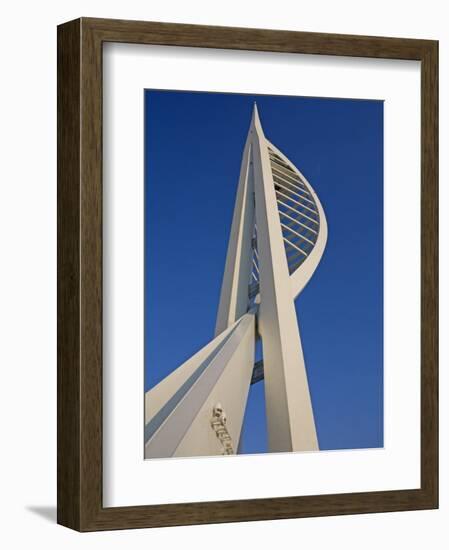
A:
(263, 274)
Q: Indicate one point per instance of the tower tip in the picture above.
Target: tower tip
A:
(255, 111)
(255, 118)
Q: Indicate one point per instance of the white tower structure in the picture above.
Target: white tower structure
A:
(278, 236)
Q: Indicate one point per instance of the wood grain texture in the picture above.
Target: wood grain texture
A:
(80, 274)
(429, 272)
(69, 408)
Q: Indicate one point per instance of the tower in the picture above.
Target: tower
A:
(278, 236)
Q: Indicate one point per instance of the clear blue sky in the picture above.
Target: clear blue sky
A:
(193, 148)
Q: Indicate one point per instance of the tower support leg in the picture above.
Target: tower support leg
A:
(198, 410)
(291, 424)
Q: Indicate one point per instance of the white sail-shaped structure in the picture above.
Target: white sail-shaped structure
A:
(278, 236)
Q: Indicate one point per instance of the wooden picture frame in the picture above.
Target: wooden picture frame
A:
(80, 504)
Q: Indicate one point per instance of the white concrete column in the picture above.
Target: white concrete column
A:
(234, 290)
(198, 410)
(291, 425)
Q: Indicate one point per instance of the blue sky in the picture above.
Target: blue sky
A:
(193, 148)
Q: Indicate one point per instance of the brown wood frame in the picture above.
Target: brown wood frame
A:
(80, 274)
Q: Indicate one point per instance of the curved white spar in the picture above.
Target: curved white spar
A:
(290, 193)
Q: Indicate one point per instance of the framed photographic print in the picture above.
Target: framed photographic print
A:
(247, 274)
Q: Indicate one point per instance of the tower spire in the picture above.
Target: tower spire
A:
(255, 120)
(277, 238)
(255, 112)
